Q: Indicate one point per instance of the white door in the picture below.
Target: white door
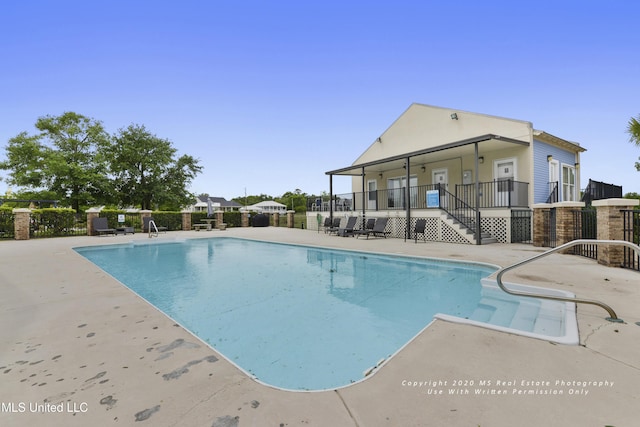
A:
(505, 173)
(372, 194)
(441, 176)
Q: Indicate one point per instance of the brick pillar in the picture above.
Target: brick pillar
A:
(244, 218)
(220, 220)
(91, 214)
(540, 226)
(610, 227)
(186, 220)
(565, 221)
(21, 222)
(276, 219)
(290, 215)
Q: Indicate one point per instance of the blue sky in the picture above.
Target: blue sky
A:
(269, 95)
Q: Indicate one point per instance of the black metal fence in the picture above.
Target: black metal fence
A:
(597, 190)
(631, 230)
(585, 227)
(7, 226)
(57, 223)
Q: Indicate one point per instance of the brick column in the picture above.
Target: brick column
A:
(186, 220)
(91, 214)
(565, 221)
(244, 218)
(21, 222)
(540, 226)
(276, 219)
(610, 227)
(220, 220)
(290, 215)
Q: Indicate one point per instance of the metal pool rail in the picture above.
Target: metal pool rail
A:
(612, 314)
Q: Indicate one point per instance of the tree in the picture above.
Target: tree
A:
(633, 129)
(146, 172)
(63, 158)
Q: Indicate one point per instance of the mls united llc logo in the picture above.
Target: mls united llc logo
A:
(43, 408)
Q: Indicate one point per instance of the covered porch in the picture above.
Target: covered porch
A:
(463, 179)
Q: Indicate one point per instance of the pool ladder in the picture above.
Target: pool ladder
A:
(612, 314)
(152, 223)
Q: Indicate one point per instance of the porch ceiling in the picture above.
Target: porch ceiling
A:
(489, 142)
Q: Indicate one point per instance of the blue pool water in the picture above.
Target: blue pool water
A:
(298, 317)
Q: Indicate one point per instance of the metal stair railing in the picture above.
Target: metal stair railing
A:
(462, 212)
(612, 314)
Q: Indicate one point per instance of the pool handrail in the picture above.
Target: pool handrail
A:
(612, 314)
(153, 223)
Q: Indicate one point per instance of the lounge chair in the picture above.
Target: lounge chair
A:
(101, 226)
(145, 225)
(327, 224)
(421, 225)
(348, 229)
(335, 225)
(367, 228)
(378, 228)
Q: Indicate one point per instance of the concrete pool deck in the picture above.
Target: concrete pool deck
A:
(75, 340)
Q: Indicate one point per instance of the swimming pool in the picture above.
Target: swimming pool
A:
(305, 318)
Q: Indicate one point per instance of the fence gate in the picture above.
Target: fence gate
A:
(549, 239)
(520, 226)
(585, 227)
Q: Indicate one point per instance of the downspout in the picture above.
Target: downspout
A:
(477, 185)
(407, 201)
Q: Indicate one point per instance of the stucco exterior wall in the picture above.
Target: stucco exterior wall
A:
(423, 126)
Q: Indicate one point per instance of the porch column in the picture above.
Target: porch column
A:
(407, 201)
(331, 197)
(477, 185)
(364, 199)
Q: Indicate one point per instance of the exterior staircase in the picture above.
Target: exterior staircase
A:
(462, 217)
(466, 228)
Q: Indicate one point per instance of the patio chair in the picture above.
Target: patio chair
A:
(327, 224)
(348, 229)
(421, 225)
(367, 228)
(335, 225)
(101, 226)
(145, 225)
(378, 228)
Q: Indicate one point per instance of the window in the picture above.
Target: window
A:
(568, 183)
(396, 191)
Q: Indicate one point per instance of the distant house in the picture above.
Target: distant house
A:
(471, 172)
(204, 204)
(268, 206)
